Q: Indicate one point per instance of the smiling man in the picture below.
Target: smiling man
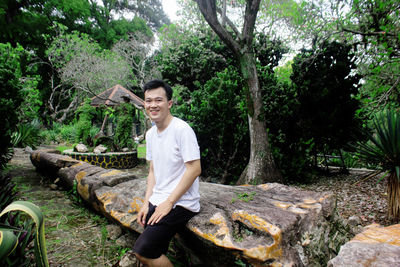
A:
(172, 194)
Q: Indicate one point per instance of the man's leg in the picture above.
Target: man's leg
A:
(162, 261)
(152, 245)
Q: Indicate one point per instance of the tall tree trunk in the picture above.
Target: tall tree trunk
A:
(261, 167)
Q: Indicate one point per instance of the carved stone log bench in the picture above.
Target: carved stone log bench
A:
(264, 225)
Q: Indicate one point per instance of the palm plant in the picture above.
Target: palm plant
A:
(383, 150)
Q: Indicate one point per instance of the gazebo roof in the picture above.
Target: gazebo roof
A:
(114, 96)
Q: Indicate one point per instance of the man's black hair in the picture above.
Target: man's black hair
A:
(154, 84)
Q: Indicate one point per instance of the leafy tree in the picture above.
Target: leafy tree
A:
(191, 58)
(135, 50)
(81, 69)
(11, 70)
(325, 90)
(261, 166)
(216, 111)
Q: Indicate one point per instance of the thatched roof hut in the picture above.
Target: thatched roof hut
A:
(116, 95)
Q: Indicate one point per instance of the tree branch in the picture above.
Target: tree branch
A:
(251, 11)
(209, 11)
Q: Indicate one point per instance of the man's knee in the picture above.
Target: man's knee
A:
(142, 259)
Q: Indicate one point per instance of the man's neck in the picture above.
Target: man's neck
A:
(162, 125)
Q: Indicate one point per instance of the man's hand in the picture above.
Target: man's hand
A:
(161, 210)
(141, 219)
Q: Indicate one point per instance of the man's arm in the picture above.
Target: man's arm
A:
(151, 181)
(193, 170)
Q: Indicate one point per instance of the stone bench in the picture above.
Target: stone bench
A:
(264, 225)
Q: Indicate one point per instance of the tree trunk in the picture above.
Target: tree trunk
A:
(393, 191)
(261, 167)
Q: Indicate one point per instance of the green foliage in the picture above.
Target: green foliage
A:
(84, 115)
(325, 88)
(246, 197)
(290, 150)
(7, 190)
(217, 114)
(27, 134)
(11, 96)
(123, 133)
(186, 58)
(383, 148)
(16, 255)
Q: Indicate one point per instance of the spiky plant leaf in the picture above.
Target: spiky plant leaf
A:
(35, 213)
(8, 242)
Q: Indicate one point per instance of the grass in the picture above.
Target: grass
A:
(141, 151)
(75, 235)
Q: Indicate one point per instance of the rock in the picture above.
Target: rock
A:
(28, 150)
(375, 246)
(81, 148)
(265, 225)
(125, 241)
(354, 220)
(114, 231)
(50, 161)
(100, 149)
(256, 222)
(125, 149)
(53, 187)
(128, 260)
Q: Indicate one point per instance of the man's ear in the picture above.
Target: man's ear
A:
(169, 103)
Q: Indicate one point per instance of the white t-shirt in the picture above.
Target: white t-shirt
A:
(169, 150)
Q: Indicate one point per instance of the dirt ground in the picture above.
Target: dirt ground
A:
(76, 236)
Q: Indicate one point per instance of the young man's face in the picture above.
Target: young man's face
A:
(157, 104)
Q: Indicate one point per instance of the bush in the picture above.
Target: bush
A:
(11, 97)
(27, 134)
(217, 114)
(84, 114)
(123, 133)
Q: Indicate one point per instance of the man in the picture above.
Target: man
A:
(172, 194)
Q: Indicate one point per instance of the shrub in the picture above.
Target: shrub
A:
(27, 134)
(84, 114)
(123, 133)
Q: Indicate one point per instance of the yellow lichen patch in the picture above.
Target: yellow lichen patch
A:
(77, 165)
(282, 205)
(111, 173)
(309, 201)
(261, 252)
(223, 231)
(106, 199)
(123, 218)
(297, 210)
(308, 206)
(321, 199)
(377, 234)
(136, 204)
(83, 190)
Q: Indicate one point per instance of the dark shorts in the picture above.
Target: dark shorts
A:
(154, 240)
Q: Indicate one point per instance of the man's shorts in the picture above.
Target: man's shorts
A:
(154, 240)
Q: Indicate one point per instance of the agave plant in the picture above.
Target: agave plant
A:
(9, 241)
(383, 150)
